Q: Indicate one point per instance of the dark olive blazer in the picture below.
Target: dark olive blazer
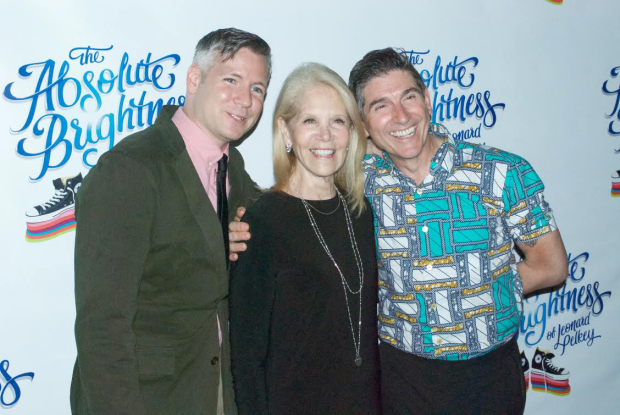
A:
(150, 279)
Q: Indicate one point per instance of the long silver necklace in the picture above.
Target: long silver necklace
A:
(326, 213)
(358, 260)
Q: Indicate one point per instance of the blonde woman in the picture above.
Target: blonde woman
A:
(303, 296)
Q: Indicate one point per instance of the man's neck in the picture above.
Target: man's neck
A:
(188, 111)
(419, 167)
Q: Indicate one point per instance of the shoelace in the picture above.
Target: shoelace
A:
(58, 196)
(551, 366)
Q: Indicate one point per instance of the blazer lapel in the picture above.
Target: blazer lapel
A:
(200, 205)
(197, 198)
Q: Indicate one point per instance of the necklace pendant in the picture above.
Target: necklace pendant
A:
(358, 361)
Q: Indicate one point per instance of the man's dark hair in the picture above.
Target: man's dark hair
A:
(225, 43)
(378, 63)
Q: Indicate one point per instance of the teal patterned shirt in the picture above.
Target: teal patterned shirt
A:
(448, 281)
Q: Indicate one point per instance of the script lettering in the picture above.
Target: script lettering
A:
(50, 88)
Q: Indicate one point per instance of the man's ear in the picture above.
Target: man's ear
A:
(194, 77)
(427, 99)
(365, 124)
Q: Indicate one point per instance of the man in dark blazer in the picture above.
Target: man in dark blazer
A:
(151, 279)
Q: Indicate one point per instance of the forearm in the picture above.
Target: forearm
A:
(109, 379)
(536, 278)
(250, 301)
(105, 340)
(250, 320)
(249, 344)
(112, 242)
(250, 389)
(545, 263)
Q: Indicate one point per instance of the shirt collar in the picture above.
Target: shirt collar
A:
(443, 161)
(444, 158)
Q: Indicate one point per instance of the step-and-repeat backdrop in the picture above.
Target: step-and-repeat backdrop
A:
(539, 78)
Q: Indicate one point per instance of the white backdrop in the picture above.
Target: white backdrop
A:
(539, 68)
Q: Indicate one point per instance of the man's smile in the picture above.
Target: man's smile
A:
(404, 133)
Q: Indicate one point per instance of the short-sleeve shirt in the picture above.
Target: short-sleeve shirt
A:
(448, 281)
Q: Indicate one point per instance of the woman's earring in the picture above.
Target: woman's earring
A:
(347, 148)
(288, 148)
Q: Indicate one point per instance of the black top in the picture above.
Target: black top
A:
(291, 343)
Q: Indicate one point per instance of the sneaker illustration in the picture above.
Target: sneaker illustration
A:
(525, 365)
(57, 215)
(547, 377)
(615, 184)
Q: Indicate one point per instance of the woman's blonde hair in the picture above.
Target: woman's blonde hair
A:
(350, 178)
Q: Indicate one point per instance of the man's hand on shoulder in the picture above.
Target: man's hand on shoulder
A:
(238, 233)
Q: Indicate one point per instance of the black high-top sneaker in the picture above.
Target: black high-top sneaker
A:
(525, 365)
(63, 199)
(548, 377)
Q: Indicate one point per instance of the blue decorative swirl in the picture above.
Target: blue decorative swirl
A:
(11, 382)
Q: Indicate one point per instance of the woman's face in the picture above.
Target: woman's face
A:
(319, 135)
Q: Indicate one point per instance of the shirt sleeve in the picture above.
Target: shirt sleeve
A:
(250, 302)
(527, 214)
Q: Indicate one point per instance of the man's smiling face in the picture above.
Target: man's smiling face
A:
(229, 98)
(397, 115)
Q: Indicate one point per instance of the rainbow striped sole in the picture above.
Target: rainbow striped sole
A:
(50, 229)
(527, 380)
(542, 382)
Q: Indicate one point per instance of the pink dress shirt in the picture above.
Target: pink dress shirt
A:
(204, 154)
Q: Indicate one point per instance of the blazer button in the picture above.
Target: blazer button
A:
(215, 361)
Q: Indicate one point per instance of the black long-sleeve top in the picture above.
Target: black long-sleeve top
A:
(291, 342)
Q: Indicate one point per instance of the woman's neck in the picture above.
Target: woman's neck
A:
(311, 188)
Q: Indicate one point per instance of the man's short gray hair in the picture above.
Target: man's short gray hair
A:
(224, 44)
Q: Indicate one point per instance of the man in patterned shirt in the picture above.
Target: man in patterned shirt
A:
(447, 218)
